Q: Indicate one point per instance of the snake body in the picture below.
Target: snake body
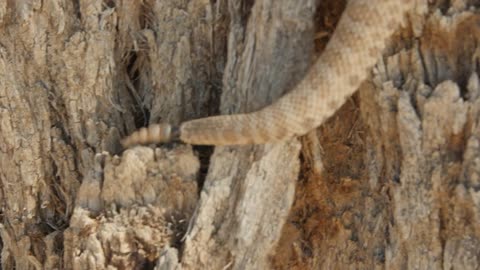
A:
(352, 51)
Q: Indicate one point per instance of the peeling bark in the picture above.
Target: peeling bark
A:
(391, 181)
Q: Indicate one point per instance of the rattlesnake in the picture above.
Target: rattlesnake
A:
(352, 51)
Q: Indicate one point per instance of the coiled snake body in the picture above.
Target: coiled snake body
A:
(353, 49)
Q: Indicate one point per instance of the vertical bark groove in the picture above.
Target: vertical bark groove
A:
(390, 181)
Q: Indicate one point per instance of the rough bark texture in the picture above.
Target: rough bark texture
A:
(391, 181)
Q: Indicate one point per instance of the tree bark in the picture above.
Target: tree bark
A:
(390, 181)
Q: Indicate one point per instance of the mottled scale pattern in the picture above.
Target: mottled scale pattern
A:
(355, 46)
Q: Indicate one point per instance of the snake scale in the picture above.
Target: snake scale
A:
(352, 51)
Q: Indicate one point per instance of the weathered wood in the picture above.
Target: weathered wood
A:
(131, 208)
(391, 181)
(75, 76)
(249, 190)
(411, 201)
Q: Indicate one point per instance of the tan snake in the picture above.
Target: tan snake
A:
(352, 51)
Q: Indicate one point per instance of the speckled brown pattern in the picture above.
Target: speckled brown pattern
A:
(351, 52)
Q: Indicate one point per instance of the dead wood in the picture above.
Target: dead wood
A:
(391, 181)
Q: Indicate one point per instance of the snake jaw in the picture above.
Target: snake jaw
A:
(157, 133)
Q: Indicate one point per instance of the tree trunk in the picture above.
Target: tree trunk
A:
(391, 181)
